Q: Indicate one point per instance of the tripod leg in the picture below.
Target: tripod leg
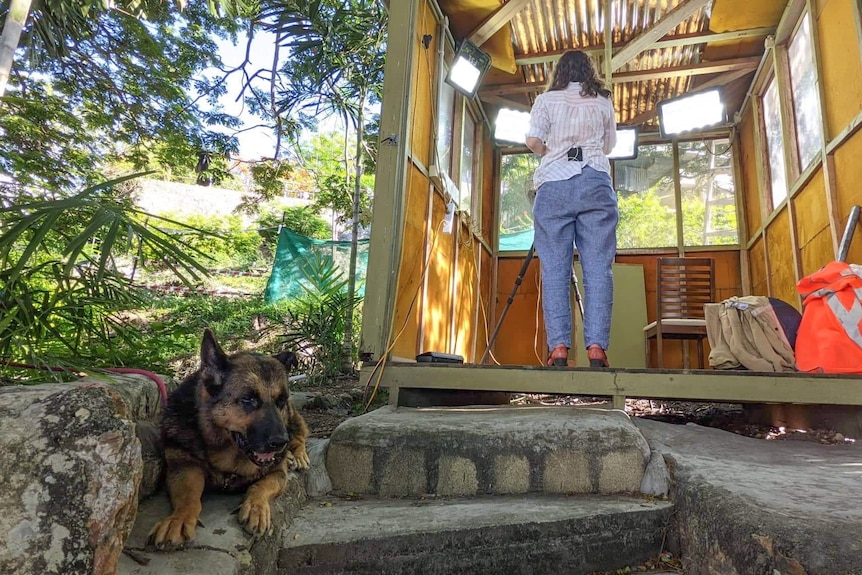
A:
(509, 301)
(578, 299)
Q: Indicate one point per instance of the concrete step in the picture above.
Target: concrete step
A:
(407, 452)
(536, 534)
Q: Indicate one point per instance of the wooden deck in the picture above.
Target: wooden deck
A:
(618, 384)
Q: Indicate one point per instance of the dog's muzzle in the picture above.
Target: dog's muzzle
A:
(261, 455)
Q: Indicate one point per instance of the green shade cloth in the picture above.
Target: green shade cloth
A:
(519, 241)
(298, 258)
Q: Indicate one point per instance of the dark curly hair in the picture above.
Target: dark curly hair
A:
(577, 66)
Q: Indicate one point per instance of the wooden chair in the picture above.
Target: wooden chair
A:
(683, 285)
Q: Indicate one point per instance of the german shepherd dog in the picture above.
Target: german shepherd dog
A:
(230, 426)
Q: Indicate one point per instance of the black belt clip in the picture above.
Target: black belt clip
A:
(575, 154)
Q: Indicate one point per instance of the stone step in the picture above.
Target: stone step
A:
(222, 546)
(407, 452)
(535, 533)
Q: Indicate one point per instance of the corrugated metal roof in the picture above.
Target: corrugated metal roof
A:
(670, 64)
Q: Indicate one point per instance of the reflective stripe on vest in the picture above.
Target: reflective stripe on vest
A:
(849, 319)
(826, 291)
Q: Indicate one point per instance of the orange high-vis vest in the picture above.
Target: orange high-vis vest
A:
(830, 334)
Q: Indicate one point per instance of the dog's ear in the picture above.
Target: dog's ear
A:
(288, 360)
(214, 362)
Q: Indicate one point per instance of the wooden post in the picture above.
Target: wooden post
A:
(384, 259)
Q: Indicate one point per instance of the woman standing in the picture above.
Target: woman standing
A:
(573, 128)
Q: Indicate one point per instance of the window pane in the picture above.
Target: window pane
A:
(774, 143)
(443, 161)
(806, 99)
(708, 193)
(646, 198)
(468, 147)
(516, 207)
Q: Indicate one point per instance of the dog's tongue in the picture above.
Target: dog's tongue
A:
(266, 456)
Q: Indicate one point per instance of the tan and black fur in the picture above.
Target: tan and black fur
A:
(230, 426)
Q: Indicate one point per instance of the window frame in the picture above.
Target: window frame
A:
(447, 178)
(778, 70)
(679, 245)
(773, 80)
(797, 29)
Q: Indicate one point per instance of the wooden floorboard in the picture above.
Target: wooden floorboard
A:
(688, 385)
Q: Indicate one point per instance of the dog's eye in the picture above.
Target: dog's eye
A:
(281, 401)
(250, 402)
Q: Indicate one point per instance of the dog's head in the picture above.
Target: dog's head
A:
(247, 396)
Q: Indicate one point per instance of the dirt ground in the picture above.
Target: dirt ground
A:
(324, 418)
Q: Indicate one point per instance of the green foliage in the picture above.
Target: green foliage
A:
(178, 323)
(298, 219)
(645, 222)
(516, 175)
(226, 240)
(103, 86)
(334, 66)
(269, 176)
(316, 322)
(51, 317)
(648, 218)
(26, 124)
(61, 295)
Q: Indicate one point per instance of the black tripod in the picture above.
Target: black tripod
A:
(509, 301)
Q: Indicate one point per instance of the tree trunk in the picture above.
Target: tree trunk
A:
(15, 19)
(347, 352)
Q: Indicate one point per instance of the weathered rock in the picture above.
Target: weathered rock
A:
(656, 480)
(316, 479)
(749, 507)
(142, 396)
(70, 467)
(152, 455)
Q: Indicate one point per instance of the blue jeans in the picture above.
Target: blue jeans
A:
(579, 211)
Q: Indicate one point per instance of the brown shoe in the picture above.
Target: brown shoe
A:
(559, 356)
(598, 357)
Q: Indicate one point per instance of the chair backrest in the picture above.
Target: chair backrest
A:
(683, 286)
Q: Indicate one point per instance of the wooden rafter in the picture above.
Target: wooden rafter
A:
(496, 20)
(722, 80)
(668, 42)
(748, 64)
(648, 37)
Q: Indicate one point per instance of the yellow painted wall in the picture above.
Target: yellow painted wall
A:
(485, 320)
(812, 225)
(436, 309)
(757, 268)
(464, 297)
(521, 340)
(424, 95)
(748, 166)
(781, 270)
(841, 72)
(412, 260)
(439, 282)
(848, 176)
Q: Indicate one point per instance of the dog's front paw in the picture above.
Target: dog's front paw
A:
(298, 459)
(176, 529)
(255, 514)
